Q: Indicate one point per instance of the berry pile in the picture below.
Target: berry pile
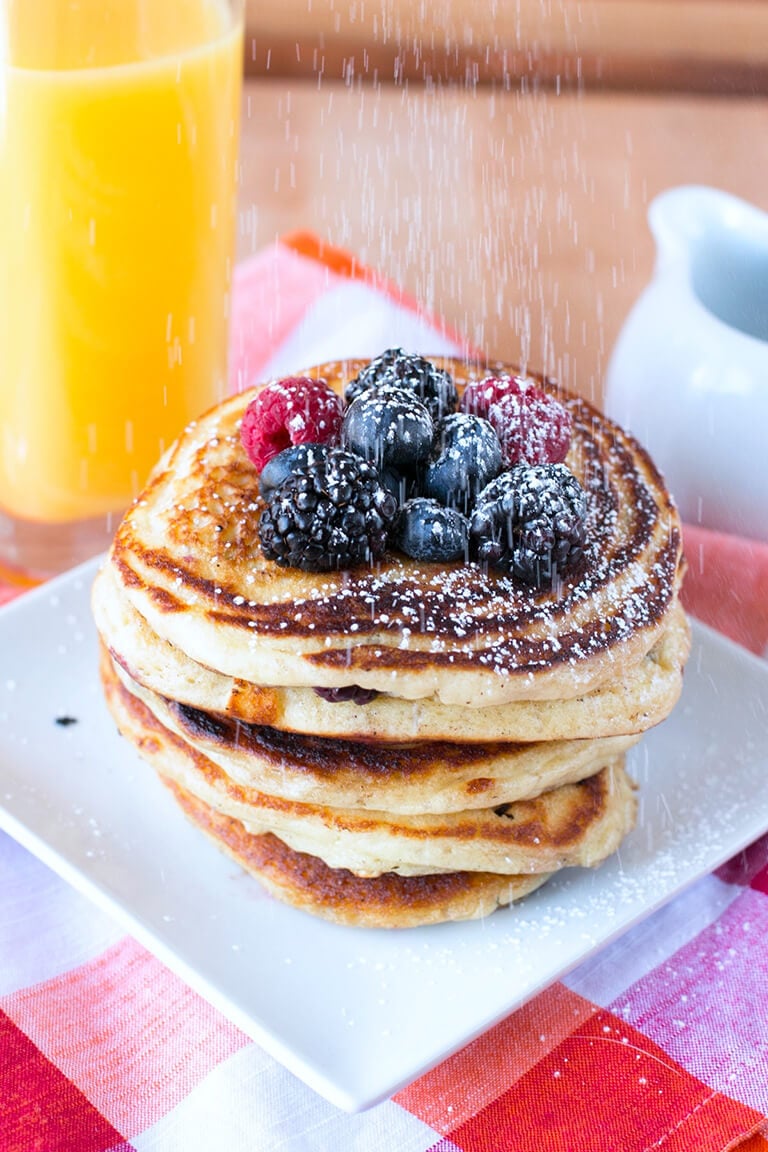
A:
(401, 463)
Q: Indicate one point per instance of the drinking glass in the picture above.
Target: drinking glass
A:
(119, 129)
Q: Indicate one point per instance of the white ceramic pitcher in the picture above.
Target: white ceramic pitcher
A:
(689, 372)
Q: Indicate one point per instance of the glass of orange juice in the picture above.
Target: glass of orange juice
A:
(119, 129)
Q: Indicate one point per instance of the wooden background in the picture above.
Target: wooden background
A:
(497, 159)
(675, 45)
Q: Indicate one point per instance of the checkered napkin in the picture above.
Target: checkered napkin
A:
(659, 1042)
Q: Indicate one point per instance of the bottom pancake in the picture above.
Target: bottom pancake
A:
(335, 894)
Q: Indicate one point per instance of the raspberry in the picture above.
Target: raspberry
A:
(531, 522)
(530, 423)
(480, 394)
(532, 426)
(332, 513)
(296, 410)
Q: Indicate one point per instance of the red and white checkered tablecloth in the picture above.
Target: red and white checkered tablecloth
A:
(658, 1042)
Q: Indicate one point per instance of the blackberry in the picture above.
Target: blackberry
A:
(389, 426)
(330, 514)
(425, 530)
(466, 455)
(433, 386)
(530, 521)
(280, 467)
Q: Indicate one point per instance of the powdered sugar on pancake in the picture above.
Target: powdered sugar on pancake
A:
(188, 558)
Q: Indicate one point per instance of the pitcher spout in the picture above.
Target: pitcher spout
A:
(683, 218)
(714, 248)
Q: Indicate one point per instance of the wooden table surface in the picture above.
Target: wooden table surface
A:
(520, 217)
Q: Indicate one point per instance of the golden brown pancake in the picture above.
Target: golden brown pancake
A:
(335, 894)
(635, 700)
(188, 559)
(575, 824)
(422, 776)
(491, 754)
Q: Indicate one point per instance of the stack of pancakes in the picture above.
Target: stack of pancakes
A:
(483, 745)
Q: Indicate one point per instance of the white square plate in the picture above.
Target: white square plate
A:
(354, 1013)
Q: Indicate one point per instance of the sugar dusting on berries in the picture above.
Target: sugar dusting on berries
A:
(530, 521)
(432, 461)
(532, 426)
(330, 514)
(432, 385)
(479, 395)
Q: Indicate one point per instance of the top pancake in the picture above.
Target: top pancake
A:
(187, 556)
(631, 702)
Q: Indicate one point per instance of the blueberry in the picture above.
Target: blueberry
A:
(390, 427)
(425, 530)
(290, 460)
(465, 457)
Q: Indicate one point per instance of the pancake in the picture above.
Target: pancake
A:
(416, 778)
(489, 753)
(335, 894)
(187, 558)
(635, 700)
(575, 824)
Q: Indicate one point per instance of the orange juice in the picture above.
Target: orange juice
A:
(118, 155)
